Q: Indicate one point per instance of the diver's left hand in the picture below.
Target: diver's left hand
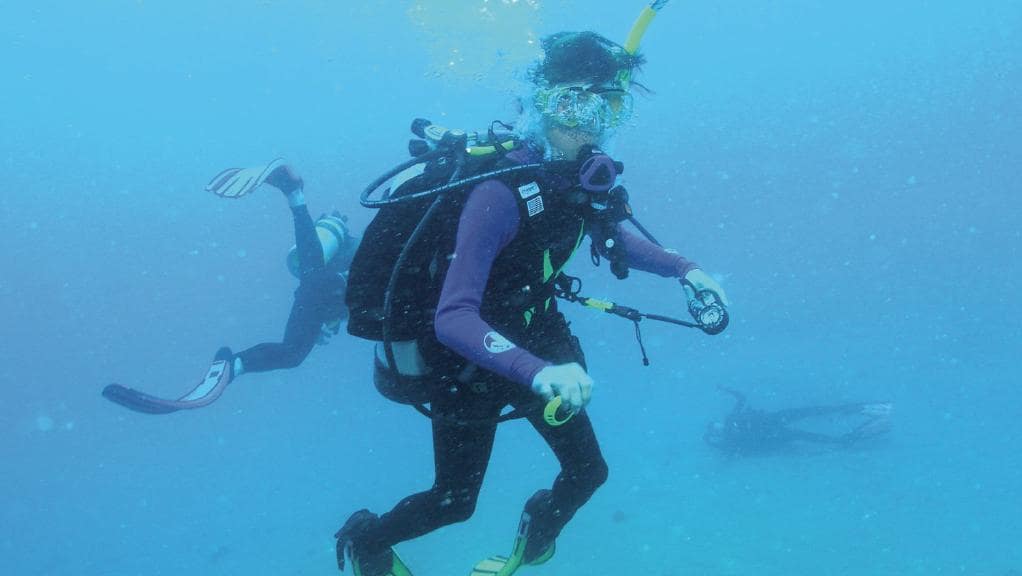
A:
(696, 281)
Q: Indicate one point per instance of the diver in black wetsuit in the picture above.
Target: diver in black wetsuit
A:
(322, 255)
(318, 306)
(746, 431)
(488, 332)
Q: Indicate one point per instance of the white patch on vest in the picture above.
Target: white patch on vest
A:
(534, 206)
(495, 343)
(530, 189)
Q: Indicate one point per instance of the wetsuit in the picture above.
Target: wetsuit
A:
(503, 356)
(319, 300)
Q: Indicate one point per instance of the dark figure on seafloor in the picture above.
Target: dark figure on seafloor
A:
(748, 431)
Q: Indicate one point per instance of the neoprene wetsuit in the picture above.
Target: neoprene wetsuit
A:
(319, 299)
(508, 357)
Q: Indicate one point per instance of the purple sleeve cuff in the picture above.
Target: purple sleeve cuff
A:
(488, 223)
(648, 257)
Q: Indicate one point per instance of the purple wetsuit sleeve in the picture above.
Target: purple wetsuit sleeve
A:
(488, 223)
(648, 257)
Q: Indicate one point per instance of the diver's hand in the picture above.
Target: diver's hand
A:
(569, 381)
(285, 178)
(696, 281)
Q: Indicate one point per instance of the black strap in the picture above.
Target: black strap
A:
(569, 288)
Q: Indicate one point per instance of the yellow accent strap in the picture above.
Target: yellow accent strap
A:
(528, 316)
(603, 305)
(485, 150)
(548, 267)
(550, 412)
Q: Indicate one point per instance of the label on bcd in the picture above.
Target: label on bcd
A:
(528, 190)
(534, 205)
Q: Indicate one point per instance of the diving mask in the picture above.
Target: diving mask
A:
(590, 107)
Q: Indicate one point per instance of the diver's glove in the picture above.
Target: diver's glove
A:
(707, 302)
(696, 281)
(568, 381)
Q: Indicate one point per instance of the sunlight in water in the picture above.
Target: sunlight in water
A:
(478, 39)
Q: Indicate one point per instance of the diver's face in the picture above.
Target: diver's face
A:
(567, 141)
(581, 114)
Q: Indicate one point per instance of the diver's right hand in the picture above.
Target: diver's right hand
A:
(569, 381)
(696, 281)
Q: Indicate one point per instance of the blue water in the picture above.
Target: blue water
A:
(850, 171)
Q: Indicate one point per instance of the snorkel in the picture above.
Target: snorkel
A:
(555, 413)
(635, 35)
(582, 87)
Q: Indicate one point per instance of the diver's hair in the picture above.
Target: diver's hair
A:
(582, 57)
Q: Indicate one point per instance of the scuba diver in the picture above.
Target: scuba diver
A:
(746, 431)
(468, 322)
(320, 259)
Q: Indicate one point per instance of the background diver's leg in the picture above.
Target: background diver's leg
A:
(307, 312)
(310, 250)
(303, 329)
(815, 437)
(795, 414)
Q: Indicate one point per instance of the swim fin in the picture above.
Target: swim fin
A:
(507, 565)
(382, 563)
(397, 567)
(218, 376)
(238, 182)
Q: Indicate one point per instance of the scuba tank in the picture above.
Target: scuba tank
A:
(336, 239)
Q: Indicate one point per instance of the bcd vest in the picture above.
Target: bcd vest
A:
(521, 284)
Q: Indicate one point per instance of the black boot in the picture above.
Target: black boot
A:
(540, 527)
(367, 559)
(220, 374)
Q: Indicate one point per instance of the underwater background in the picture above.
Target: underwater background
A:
(849, 171)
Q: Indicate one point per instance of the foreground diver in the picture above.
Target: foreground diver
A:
(320, 260)
(497, 338)
(746, 431)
